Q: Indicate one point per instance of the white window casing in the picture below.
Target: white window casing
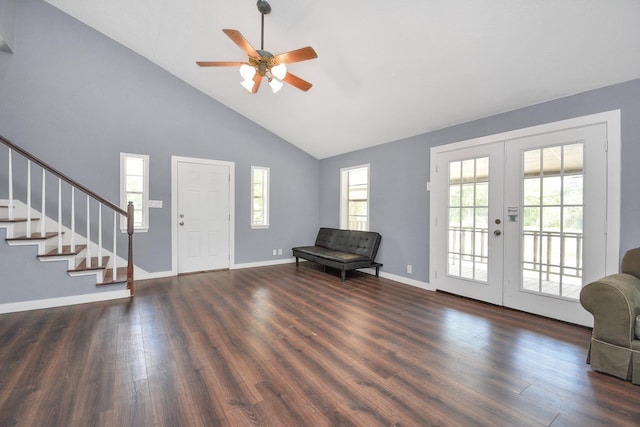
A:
(134, 186)
(354, 197)
(260, 177)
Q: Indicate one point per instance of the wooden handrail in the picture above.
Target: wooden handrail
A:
(128, 213)
(62, 176)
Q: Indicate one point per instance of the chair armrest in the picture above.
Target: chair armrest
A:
(614, 301)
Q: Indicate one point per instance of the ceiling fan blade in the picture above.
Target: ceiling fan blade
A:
(297, 55)
(242, 43)
(297, 82)
(220, 63)
(256, 83)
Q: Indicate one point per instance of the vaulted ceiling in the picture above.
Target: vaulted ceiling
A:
(386, 70)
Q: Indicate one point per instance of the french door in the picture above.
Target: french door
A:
(522, 222)
(469, 223)
(555, 241)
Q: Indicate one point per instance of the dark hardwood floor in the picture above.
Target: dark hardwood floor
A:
(280, 346)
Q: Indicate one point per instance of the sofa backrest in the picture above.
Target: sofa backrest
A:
(363, 243)
(631, 262)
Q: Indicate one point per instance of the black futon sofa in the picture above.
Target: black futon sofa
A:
(343, 250)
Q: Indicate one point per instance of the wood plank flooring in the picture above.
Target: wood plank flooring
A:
(287, 346)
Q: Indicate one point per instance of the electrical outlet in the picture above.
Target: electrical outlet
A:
(279, 251)
(409, 269)
(274, 252)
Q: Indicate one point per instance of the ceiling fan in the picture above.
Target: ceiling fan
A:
(262, 63)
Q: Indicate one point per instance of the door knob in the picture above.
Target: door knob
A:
(181, 222)
(497, 232)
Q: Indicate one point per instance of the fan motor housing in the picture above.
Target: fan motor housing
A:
(264, 7)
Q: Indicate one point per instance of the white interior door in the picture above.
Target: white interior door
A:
(203, 215)
(522, 222)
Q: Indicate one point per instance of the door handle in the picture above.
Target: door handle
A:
(497, 232)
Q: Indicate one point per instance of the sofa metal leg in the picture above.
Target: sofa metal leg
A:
(297, 261)
(343, 275)
(377, 271)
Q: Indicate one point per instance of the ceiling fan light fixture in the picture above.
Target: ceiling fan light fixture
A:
(263, 64)
(275, 84)
(247, 71)
(279, 71)
(248, 85)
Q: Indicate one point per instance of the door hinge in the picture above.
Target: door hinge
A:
(606, 146)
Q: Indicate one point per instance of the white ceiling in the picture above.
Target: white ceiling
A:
(386, 70)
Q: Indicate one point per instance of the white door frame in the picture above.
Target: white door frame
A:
(614, 140)
(174, 206)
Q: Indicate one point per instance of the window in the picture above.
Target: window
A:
(354, 198)
(134, 187)
(259, 197)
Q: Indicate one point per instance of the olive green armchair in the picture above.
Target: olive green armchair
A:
(614, 301)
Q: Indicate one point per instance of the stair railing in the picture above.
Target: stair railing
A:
(117, 211)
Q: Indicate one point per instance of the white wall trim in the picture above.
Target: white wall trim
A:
(14, 307)
(145, 275)
(408, 281)
(262, 263)
(174, 206)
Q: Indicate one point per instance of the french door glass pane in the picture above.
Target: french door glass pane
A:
(468, 220)
(552, 185)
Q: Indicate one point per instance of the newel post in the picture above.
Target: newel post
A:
(130, 257)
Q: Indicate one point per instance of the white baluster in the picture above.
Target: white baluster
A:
(59, 216)
(88, 233)
(99, 234)
(73, 220)
(115, 250)
(29, 198)
(10, 209)
(43, 232)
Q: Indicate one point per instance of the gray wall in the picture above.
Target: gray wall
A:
(399, 205)
(7, 19)
(76, 99)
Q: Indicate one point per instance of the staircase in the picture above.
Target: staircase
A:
(56, 237)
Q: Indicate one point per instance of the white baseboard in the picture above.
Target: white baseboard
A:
(144, 275)
(407, 281)
(14, 307)
(262, 263)
(395, 278)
